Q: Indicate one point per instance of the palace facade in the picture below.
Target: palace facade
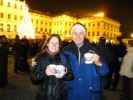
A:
(12, 13)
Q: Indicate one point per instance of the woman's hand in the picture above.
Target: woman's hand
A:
(50, 70)
(62, 73)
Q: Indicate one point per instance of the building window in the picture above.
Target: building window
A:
(98, 24)
(45, 30)
(50, 31)
(9, 4)
(15, 6)
(1, 15)
(15, 17)
(41, 29)
(93, 25)
(50, 23)
(104, 34)
(36, 21)
(93, 33)
(36, 29)
(1, 2)
(41, 22)
(9, 16)
(97, 33)
(1, 27)
(21, 7)
(88, 33)
(8, 28)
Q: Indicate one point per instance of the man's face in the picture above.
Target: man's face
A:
(78, 34)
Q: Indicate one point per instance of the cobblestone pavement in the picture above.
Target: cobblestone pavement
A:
(20, 87)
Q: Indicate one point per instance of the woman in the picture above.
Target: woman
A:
(50, 70)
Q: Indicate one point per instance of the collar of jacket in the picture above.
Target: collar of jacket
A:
(83, 49)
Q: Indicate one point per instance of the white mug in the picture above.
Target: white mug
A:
(89, 57)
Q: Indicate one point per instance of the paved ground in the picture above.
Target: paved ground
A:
(20, 88)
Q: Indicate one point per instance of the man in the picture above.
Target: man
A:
(86, 66)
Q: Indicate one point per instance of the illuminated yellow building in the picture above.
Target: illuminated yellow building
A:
(101, 26)
(62, 25)
(11, 14)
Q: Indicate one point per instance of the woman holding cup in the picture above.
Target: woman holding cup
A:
(50, 70)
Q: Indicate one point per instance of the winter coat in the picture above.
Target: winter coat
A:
(50, 87)
(127, 64)
(3, 63)
(87, 83)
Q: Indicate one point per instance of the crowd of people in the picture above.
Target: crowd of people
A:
(76, 70)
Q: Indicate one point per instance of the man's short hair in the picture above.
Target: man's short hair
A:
(78, 25)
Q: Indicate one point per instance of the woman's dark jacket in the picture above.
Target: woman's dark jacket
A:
(50, 87)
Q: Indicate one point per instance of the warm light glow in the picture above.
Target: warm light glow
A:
(131, 35)
(101, 14)
(95, 40)
(25, 27)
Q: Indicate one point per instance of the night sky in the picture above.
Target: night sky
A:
(120, 10)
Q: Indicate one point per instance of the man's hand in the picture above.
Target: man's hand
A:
(97, 60)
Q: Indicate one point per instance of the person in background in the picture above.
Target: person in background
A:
(126, 72)
(3, 61)
(120, 50)
(50, 71)
(86, 65)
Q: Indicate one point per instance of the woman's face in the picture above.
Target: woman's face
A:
(53, 45)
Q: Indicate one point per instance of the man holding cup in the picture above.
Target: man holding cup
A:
(86, 65)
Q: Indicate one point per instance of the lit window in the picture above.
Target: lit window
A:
(8, 28)
(50, 24)
(1, 27)
(41, 29)
(15, 6)
(36, 21)
(97, 33)
(88, 33)
(1, 2)
(49, 30)
(45, 30)
(9, 4)
(93, 33)
(36, 29)
(21, 7)
(15, 17)
(98, 24)
(1, 15)
(41, 22)
(9, 16)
